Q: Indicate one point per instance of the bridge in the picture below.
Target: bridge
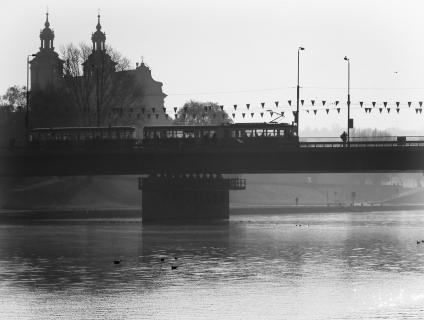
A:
(310, 156)
(188, 183)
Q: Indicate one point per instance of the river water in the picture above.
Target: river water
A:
(333, 266)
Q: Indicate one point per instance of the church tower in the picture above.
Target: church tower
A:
(98, 63)
(46, 67)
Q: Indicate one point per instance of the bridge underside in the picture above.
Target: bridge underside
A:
(136, 162)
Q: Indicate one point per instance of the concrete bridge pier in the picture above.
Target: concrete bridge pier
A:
(187, 197)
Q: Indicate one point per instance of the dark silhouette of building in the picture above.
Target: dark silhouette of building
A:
(46, 67)
(102, 95)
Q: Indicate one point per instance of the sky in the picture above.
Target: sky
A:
(245, 52)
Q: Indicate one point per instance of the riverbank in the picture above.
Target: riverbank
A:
(321, 209)
(134, 213)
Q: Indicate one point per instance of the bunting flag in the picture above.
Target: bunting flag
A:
(294, 113)
(142, 110)
(166, 116)
(271, 113)
(157, 115)
(397, 105)
(164, 110)
(153, 110)
(243, 114)
(282, 114)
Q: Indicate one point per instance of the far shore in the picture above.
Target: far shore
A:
(134, 213)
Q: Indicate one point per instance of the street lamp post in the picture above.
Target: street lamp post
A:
(298, 89)
(349, 121)
(27, 96)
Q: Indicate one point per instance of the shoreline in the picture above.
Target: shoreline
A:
(133, 213)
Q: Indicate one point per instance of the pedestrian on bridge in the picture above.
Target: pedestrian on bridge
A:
(343, 136)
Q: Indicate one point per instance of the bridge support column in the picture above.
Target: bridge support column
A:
(180, 197)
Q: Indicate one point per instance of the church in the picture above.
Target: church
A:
(100, 96)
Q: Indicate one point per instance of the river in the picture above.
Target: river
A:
(289, 266)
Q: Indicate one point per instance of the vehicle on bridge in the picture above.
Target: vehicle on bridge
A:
(80, 137)
(238, 134)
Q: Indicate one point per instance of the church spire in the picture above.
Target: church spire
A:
(47, 35)
(99, 26)
(98, 38)
(47, 23)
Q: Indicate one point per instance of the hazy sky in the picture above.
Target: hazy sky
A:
(238, 52)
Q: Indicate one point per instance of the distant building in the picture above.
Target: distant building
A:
(101, 96)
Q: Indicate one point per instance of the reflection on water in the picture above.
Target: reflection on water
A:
(321, 266)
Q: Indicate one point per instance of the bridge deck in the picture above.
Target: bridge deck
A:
(322, 156)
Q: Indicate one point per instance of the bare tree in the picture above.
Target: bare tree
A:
(106, 88)
(362, 134)
(122, 63)
(15, 97)
(201, 113)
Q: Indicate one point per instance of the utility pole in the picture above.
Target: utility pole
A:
(349, 120)
(298, 89)
(27, 96)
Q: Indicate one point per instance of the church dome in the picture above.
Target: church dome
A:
(47, 33)
(98, 36)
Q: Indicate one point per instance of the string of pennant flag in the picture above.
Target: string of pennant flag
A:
(312, 106)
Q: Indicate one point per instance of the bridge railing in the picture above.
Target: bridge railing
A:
(362, 142)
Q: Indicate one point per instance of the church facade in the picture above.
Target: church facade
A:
(100, 96)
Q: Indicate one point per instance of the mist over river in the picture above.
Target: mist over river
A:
(289, 266)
